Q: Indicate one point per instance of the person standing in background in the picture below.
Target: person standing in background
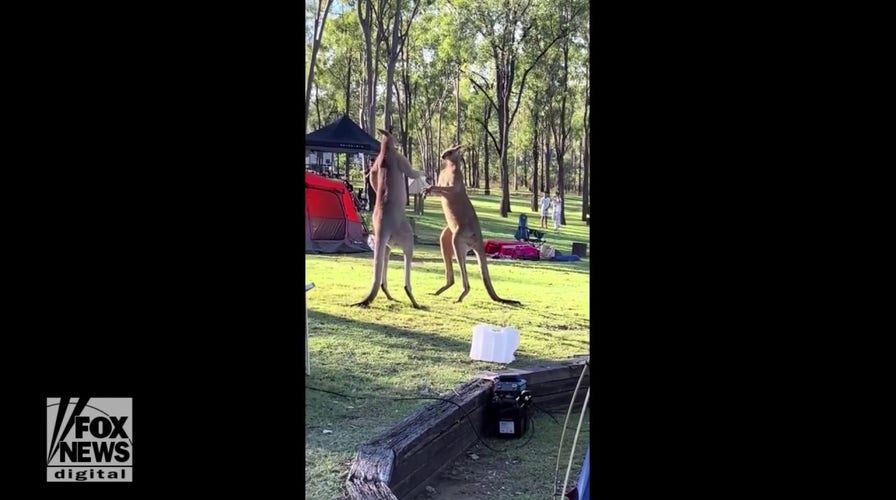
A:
(371, 193)
(557, 206)
(545, 203)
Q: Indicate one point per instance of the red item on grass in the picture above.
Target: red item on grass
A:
(494, 246)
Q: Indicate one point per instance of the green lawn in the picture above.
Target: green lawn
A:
(391, 349)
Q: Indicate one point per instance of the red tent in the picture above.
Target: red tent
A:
(332, 225)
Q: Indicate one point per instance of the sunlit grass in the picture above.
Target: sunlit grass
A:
(391, 349)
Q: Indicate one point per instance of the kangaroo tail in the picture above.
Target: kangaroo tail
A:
(487, 280)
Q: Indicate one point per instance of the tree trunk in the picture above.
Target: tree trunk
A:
(387, 105)
(505, 186)
(485, 164)
(403, 117)
(546, 162)
(439, 135)
(457, 107)
(586, 165)
(525, 161)
(373, 59)
(430, 147)
(403, 132)
(319, 21)
(488, 116)
(424, 155)
(504, 84)
(505, 48)
(348, 86)
(394, 49)
(535, 154)
(586, 139)
(562, 130)
(561, 181)
(468, 170)
(320, 121)
(505, 180)
(476, 168)
(365, 21)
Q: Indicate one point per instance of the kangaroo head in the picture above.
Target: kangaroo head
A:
(387, 142)
(453, 153)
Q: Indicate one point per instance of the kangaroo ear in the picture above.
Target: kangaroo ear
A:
(451, 150)
(383, 131)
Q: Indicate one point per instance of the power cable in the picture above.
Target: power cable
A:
(466, 413)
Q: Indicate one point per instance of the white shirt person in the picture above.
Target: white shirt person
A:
(557, 207)
(545, 203)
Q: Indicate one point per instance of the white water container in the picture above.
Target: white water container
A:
(493, 343)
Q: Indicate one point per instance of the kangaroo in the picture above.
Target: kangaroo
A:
(463, 232)
(390, 223)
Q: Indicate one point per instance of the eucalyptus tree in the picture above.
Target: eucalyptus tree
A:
(320, 18)
(394, 23)
(559, 112)
(432, 59)
(338, 64)
(372, 37)
(517, 34)
(586, 134)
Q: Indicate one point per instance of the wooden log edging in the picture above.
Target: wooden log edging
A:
(399, 462)
(370, 474)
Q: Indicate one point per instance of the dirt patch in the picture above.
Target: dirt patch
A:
(519, 471)
(477, 478)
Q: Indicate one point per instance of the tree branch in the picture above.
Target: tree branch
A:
(378, 9)
(526, 73)
(404, 35)
(487, 131)
(481, 89)
(397, 100)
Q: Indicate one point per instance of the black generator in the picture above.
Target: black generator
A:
(507, 414)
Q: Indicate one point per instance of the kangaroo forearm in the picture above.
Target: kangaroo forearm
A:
(406, 169)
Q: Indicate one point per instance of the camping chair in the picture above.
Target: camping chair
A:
(524, 233)
(307, 353)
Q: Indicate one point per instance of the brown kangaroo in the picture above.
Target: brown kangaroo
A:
(390, 223)
(463, 232)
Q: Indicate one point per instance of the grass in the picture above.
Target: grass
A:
(391, 349)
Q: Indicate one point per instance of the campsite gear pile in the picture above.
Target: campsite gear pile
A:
(524, 233)
(510, 249)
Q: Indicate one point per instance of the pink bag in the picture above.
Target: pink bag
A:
(523, 252)
(527, 252)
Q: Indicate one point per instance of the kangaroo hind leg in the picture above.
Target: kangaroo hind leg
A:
(447, 247)
(385, 264)
(460, 253)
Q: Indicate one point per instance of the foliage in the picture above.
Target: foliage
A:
(450, 43)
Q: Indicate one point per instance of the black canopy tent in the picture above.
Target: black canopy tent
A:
(342, 136)
(345, 136)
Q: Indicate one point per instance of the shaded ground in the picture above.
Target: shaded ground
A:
(524, 471)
